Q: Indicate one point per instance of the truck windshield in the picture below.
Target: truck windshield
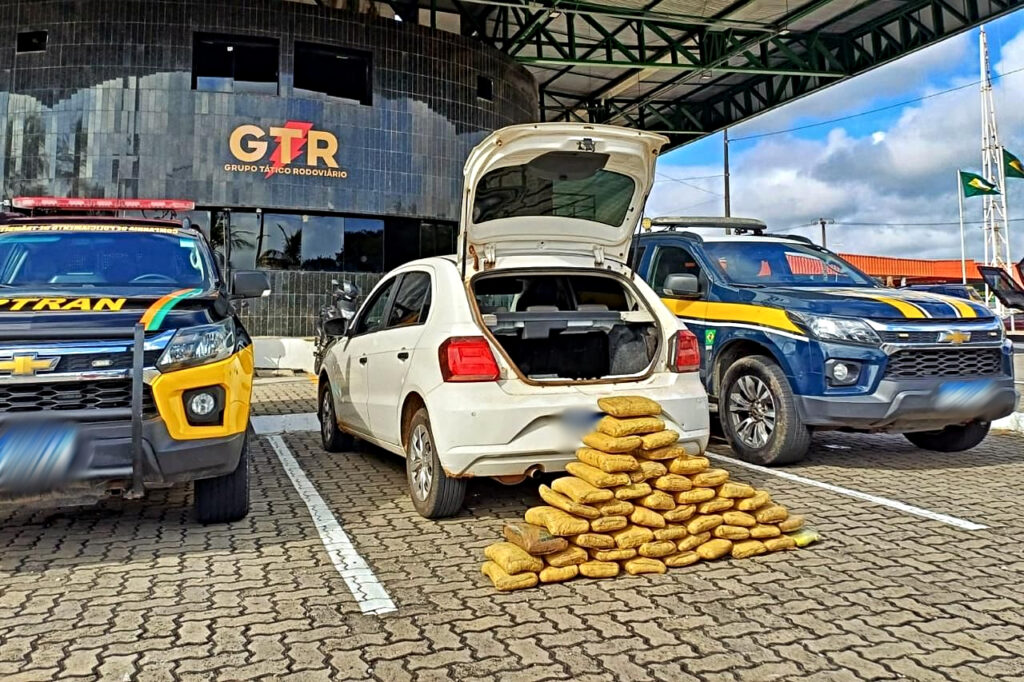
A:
(39, 258)
(782, 264)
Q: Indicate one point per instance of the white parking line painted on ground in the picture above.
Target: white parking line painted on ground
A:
(874, 499)
(265, 425)
(370, 594)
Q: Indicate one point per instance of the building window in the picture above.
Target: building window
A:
(364, 245)
(334, 72)
(226, 63)
(485, 88)
(31, 41)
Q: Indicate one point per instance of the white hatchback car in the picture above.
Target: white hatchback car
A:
(490, 363)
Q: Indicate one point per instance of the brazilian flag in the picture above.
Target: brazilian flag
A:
(1012, 166)
(975, 185)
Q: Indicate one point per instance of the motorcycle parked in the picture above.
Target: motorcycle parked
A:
(344, 303)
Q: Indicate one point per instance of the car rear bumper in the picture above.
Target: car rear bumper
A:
(906, 405)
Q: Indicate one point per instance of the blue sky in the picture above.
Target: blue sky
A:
(886, 168)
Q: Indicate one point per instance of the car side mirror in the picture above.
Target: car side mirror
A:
(249, 284)
(681, 285)
(336, 327)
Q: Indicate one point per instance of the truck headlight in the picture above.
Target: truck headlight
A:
(845, 329)
(193, 346)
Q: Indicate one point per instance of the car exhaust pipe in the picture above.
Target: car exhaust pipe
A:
(516, 479)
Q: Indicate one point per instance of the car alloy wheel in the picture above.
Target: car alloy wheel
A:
(421, 454)
(752, 411)
(327, 422)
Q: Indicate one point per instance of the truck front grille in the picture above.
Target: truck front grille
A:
(91, 362)
(961, 362)
(918, 336)
(63, 395)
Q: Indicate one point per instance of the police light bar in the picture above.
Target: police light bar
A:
(91, 204)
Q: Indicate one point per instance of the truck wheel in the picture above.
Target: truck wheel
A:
(758, 413)
(333, 438)
(434, 494)
(225, 498)
(952, 438)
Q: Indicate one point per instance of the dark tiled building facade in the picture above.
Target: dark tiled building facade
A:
(203, 101)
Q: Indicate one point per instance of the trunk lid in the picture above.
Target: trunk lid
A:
(561, 189)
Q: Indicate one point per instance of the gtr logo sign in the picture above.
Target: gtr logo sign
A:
(295, 149)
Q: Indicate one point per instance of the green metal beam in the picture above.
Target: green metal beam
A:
(667, 66)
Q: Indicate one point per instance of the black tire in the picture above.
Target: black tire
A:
(332, 437)
(759, 415)
(225, 498)
(434, 494)
(952, 438)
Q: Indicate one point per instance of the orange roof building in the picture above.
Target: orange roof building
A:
(914, 270)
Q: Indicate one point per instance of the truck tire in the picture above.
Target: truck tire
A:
(758, 413)
(332, 437)
(952, 438)
(435, 495)
(225, 498)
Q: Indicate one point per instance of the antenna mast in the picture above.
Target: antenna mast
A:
(996, 228)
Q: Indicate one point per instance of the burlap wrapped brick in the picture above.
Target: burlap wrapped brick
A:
(632, 491)
(599, 569)
(735, 490)
(632, 537)
(615, 508)
(613, 426)
(563, 502)
(608, 463)
(594, 540)
(535, 540)
(681, 559)
(567, 557)
(738, 518)
(783, 542)
(663, 453)
(629, 406)
(712, 478)
(612, 554)
(681, 513)
(657, 549)
(760, 499)
(673, 483)
(642, 516)
(653, 469)
(504, 582)
(791, 523)
(655, 441)
(637, 476)
(513, 559)
(607, 524)
(580, 491)
(644, 565)
(556, 521)
(773, 513)
(704, 523)
(550, 574)
(595, 476)
(714, 549)
(671, 532)
(610, 444)
(731, 532)
(692, 542)
(765, 530)
(688, 465)
(695, 496)
(713, 506)
(658, 500)
(748, 548)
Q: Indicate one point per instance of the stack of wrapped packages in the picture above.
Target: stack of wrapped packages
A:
(635, 501)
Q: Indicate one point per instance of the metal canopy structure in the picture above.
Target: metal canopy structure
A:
(688, 68)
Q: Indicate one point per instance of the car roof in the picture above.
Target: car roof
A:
(142, 224)
(743, 238)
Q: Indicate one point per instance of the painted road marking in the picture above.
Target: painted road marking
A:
(369, 593)
(874, 499)
(265, 425)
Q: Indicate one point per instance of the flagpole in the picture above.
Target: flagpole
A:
(963, 243)
(1006, 211)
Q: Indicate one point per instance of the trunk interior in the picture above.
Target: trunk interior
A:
(558, 327)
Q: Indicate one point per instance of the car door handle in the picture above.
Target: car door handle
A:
(362, 360)
(403, 355)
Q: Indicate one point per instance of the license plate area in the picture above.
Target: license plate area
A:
(958, 395)
(37, 456)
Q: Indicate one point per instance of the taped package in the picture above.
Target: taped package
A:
(611, 444)
(566, 504)
(504, 582)
(606, 462)
(613, 426)
(595, 476)
(535, 540)
(581, 491)
(512, 559)
(556, 521)
(629, 406)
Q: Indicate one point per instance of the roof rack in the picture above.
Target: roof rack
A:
(737, 225)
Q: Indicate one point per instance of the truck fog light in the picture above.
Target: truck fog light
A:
(842, 372)
(203, 404)
(839, 373)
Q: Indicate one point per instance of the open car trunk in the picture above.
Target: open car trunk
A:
(567, 326)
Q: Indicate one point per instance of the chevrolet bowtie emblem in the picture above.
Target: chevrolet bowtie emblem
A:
(954, 337)
(27, 365)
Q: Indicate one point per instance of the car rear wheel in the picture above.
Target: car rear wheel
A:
(225, 498)
(333, 438)
(759, 415)
(434, 494)
(952, 438)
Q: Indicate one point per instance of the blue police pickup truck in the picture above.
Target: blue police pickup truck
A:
(794, 339)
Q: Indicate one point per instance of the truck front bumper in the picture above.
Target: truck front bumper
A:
(906, 405)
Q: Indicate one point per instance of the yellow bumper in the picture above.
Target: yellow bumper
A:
(233, 374)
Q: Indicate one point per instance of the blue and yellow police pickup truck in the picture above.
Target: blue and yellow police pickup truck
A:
(123, 366)
(794, 339)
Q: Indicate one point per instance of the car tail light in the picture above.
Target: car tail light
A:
(685, 353)
(467, 358)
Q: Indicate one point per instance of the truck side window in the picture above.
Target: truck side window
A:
(671, 260)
